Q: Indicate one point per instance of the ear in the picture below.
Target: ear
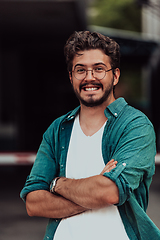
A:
(70, 77)
(116, 76)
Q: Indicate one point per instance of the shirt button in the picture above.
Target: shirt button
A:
(115, 114)
(124, 164)
(62, 128)
(62, 147)
(62, 165)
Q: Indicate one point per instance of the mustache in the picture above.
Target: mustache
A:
(98, 84)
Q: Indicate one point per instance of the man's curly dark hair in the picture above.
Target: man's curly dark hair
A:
(86, 40)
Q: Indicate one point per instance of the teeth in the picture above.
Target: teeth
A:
(91, 89)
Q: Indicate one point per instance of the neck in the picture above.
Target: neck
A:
(91, 119)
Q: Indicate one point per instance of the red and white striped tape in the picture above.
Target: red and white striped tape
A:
(17, 158)
(157, 159)
(26, 158)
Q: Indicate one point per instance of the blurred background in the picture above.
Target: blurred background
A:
(35, 88)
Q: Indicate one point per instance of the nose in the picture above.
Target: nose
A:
(89, 75)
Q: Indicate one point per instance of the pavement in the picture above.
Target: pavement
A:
(15, 224)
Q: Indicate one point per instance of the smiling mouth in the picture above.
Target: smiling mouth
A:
(91, 88)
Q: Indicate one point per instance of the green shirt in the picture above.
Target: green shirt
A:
(129, 138)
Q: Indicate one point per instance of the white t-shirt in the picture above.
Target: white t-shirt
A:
(84, 159)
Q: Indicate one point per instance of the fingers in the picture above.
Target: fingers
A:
(109, 166)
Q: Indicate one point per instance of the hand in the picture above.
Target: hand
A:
(109, 166)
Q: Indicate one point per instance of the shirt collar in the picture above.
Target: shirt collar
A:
(73, 113)
(114, 108)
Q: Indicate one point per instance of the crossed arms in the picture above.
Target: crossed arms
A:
(75, 196)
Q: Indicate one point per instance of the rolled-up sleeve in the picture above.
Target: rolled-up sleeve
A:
(44, 168)
(135, 153)
(116, 176)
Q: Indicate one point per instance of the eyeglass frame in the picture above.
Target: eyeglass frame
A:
(92, 73)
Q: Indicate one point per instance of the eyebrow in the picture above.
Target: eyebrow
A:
(96, 64)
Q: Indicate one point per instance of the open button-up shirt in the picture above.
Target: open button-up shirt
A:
(129, 138)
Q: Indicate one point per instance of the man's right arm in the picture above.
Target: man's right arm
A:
(42, 203)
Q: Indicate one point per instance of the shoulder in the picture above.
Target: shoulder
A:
(134, 124)
(128, 120)
(132, 115)
(128, 114)
(55, 125)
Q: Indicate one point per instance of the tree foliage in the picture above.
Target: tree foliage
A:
(119, 14)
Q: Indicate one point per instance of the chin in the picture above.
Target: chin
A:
(92, 103)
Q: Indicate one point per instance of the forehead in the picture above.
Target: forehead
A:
(91, 57)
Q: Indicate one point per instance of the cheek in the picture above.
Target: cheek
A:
(75, 85)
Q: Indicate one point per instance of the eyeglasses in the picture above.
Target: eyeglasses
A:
(98, 72)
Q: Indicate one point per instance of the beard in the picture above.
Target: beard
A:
(91, 102)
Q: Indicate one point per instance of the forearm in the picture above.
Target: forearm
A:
(42, 203)
(91, 193)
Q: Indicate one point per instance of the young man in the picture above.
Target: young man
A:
(93, 170)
